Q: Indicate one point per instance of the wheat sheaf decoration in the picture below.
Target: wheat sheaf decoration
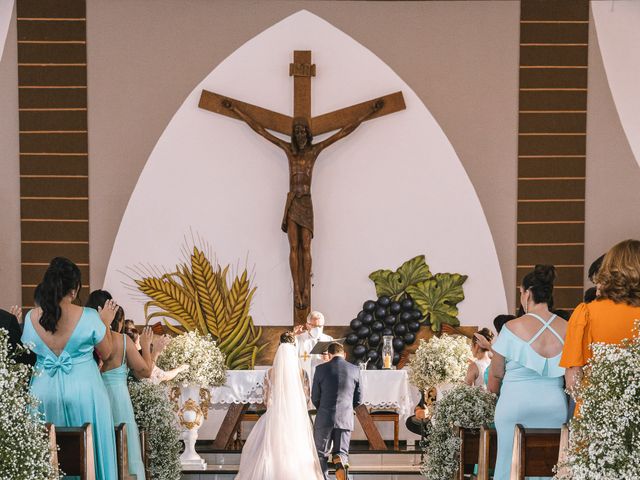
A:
(198, 297)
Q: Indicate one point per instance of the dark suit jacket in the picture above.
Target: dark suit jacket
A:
(335, 393)
(11, 325)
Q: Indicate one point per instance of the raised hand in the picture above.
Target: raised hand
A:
(16, 311)
(299, 329)
(482, 341)
(146, 337)
(108, 312)
(160, 343)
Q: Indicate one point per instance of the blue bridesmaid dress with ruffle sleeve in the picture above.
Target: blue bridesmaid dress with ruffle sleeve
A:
(532, 392)
(70, 389)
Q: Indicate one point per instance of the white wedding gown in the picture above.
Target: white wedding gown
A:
(281, 446)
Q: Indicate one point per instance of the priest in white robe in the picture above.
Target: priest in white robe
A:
(307, 338)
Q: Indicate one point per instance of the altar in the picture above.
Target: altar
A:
(381, 390)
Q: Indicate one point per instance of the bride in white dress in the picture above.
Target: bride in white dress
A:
(281, 446)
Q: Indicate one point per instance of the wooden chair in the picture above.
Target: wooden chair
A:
(487, 452)
(468, 452)
(76, 451)
(144, 447)
(122, 453)
(389, 416)
(535, 452)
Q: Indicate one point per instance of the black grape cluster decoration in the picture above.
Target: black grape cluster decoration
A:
(400, 319)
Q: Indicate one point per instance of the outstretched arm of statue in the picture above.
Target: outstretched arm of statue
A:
(343, 132)
(255, 126)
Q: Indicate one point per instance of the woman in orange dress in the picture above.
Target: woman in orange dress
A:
(612, 316)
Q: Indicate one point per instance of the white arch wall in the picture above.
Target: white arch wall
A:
(6, 10)
(392, 190)
(618, 29)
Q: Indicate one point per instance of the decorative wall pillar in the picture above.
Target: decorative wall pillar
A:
(54, 182)
(552, 142)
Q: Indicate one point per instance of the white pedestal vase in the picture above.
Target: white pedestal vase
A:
(433, 396)
(191, 404)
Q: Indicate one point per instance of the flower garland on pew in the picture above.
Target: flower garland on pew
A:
(604, 439)
(24, 443)
(462, 406)
(154, 414)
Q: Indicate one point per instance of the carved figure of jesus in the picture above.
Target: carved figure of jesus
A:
(297, 221)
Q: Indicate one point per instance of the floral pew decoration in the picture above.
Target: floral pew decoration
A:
(24, 442)
(463, 406)
(604, 438)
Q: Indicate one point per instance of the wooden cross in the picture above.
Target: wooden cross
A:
(298, 220)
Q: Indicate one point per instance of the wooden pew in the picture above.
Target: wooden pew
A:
(144, 447)
(76, 451)
(122, 454)
(487, 452)
(535, 452)
(468, 457)
(53, 446)
(564, 450)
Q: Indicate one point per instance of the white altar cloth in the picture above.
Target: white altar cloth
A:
(387, 389)
(381, 389)
(242, 386)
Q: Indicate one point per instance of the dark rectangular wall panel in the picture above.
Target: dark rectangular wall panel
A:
(54, 184)
(552, 141)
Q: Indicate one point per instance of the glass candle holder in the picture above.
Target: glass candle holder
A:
(387, 352)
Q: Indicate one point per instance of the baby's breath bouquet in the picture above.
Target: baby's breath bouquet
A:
(200, 352)
(440, 360)
(462, 406)
(604, 439)
(24, 444)
(154, 415)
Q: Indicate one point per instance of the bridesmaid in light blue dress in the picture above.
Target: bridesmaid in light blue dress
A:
(115, 372)
(66, 378)
(525, 368)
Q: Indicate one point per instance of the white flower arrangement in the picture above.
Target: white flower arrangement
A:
(604, 439)
(24, 444)
(155, 416)
(206, 361)
(463, 406)
(440, 360)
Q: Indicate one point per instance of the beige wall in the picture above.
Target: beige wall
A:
(613, 177)
(461, 58)
(9, 174)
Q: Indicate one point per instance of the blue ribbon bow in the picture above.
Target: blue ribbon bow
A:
(63, 362)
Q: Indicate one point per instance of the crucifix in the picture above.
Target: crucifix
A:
(301, 153)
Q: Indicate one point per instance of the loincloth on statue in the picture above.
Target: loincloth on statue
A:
(299, 210)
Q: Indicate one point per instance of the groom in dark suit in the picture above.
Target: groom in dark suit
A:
(335, 393)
